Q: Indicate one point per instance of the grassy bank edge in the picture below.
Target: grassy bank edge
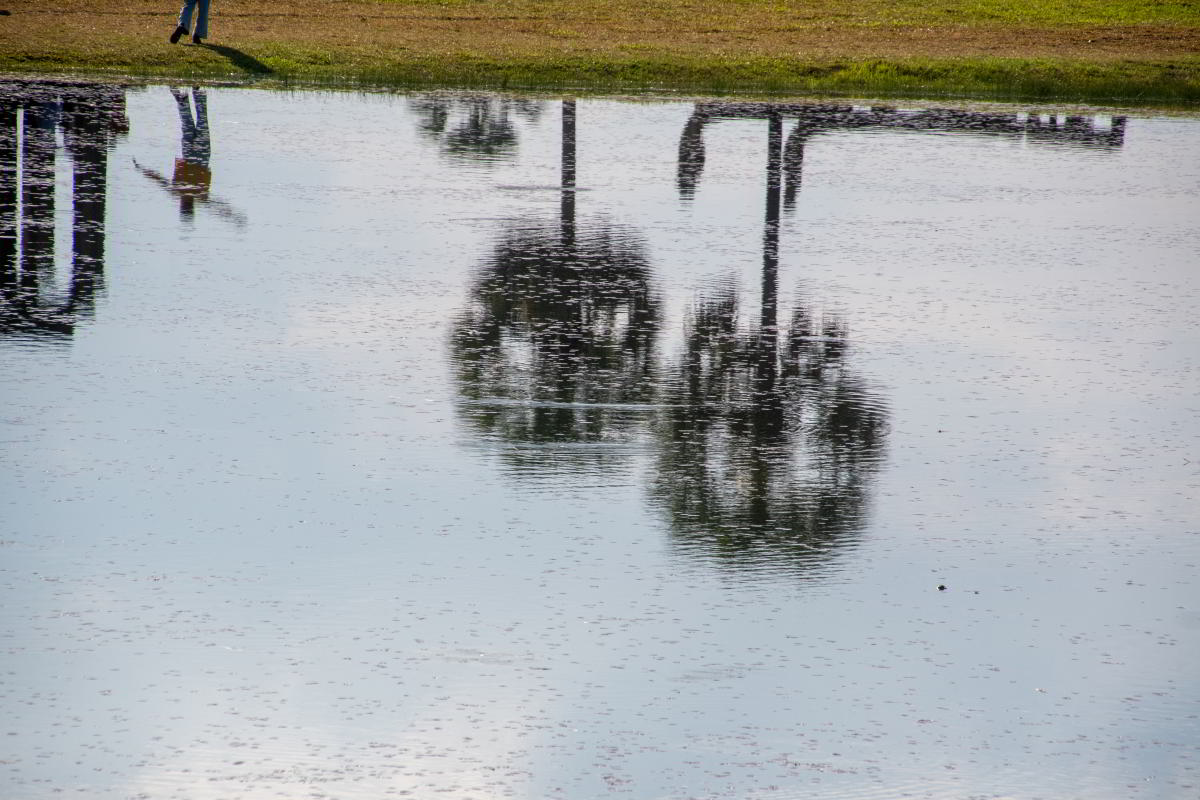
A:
(1174, 82)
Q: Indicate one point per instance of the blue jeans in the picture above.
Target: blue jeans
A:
(185, 17)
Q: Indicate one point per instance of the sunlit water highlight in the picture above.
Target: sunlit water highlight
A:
(485, 447)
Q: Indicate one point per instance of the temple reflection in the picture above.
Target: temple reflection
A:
(32, 113)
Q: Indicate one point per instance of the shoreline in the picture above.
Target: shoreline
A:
(712, 47)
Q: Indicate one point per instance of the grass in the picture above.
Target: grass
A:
(1079, 50)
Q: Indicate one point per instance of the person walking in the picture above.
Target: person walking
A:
(185, 21)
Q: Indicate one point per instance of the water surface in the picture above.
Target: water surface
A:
(488, 446)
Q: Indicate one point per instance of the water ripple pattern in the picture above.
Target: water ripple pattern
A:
(481, 446)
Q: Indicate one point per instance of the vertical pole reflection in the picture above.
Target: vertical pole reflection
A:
(37, 197)
(793, 164)
(87, 141)
(8, 200)
(568, 173)
(768, 327)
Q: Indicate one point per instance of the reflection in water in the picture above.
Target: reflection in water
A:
(768, 442)
(191, 181)
(763, 445)
(477, 127)
(768, 446)
(558, 343)
(90, 118)
(1036, 129)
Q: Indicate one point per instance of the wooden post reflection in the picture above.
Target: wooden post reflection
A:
(8, 200)
(768, 333)
(37, 197)
(568, 173)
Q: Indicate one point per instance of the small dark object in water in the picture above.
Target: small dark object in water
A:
(941, 587)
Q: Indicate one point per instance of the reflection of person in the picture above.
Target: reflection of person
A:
(185, 21)
(192, 178)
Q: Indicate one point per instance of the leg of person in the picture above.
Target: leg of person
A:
(201, 31)
(185, 20)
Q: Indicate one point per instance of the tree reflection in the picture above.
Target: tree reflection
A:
(90, 118)
(768, 442)
(557, 345)
(763, 441)
(476, 127)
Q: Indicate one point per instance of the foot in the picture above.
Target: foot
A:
(179, 31)
(197, 40)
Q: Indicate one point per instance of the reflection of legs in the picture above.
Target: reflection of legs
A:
(202, 144)
(187, 128)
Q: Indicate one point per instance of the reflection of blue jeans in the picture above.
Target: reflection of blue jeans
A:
(185, 17)
(194, 139)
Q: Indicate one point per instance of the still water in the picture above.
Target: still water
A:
(474, 446)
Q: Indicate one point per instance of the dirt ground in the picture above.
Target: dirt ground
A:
(355, 33)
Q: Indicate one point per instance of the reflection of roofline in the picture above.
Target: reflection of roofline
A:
(813, 119)
(51, 324)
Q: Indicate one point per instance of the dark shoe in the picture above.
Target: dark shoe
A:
(179, 31)
(197, 40)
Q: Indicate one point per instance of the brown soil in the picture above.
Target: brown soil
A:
(136, 31)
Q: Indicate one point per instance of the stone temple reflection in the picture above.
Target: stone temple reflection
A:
(90, 118)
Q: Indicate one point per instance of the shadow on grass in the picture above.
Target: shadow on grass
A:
(239, 59)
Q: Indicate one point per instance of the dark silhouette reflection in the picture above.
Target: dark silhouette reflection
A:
(764, 441)
(191, 181)
(1037, 129)
(558, 343)
(474, 127)
(769, 440)
(32, 113)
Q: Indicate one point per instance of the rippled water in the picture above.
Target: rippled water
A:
(470, 446)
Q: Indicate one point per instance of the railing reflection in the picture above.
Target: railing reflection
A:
(90, 118)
